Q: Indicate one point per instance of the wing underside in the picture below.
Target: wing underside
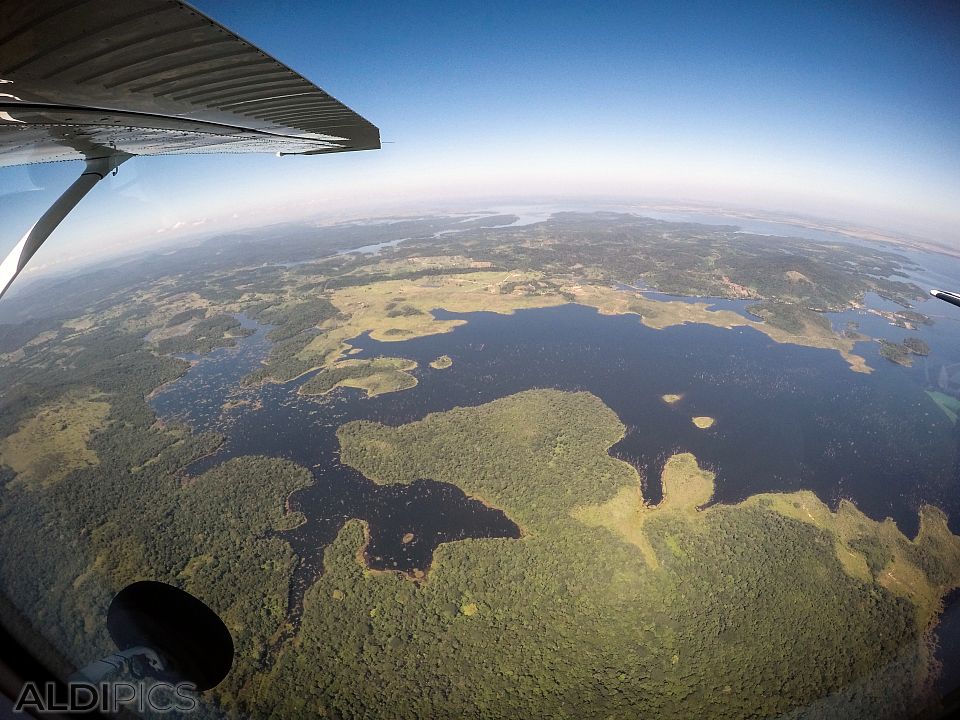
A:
(105, 80)
(91, 78)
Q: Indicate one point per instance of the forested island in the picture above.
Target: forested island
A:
(902, 353)
(605, 606)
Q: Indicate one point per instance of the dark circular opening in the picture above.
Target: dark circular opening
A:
(192, 640)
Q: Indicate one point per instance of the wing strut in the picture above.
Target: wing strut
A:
(950, 297)
(96, 169)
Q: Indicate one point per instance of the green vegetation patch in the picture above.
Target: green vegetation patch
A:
(902, 353)
(55, 441)
(791, 318)
(685, 488)
(874, 551)
(442, 362)
(293, 318)
(216, 540)
(204, 336)
(375, 377)
(184, 316)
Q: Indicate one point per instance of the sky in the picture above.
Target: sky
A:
(841, 110)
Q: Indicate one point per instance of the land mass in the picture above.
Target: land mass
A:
(603, 260)
(606, 606)
(374, 377)
(442, 362)
(636, 605)
(902, 353)
(594, 259)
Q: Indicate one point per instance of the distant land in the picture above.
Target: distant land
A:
(852, 230)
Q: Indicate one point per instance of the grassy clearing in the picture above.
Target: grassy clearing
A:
(922, 570)
(906, 569)
(80, 324)
(161, 305)
(401, 309)
(166, 332)
(685, 488)
(55, 441)
(396, 310)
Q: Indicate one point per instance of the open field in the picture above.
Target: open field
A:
(685, 488)
(399, 310)
(921, 570)
(55, 441)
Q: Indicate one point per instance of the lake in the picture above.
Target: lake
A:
(788, 418)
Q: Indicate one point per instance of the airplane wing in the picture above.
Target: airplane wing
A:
(105, 80)
(150, 77)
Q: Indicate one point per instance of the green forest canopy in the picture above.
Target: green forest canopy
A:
(749, 613)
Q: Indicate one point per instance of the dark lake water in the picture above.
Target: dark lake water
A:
(787, 418)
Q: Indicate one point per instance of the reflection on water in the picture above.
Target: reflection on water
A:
(373, 248)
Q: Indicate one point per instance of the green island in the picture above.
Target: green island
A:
(375, 377)
(703, 421)
(671, 398)
(906, 319)
(902, 353)
(442, 362)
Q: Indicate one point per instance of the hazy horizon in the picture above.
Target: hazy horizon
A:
(842, 113)
(782, 223)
